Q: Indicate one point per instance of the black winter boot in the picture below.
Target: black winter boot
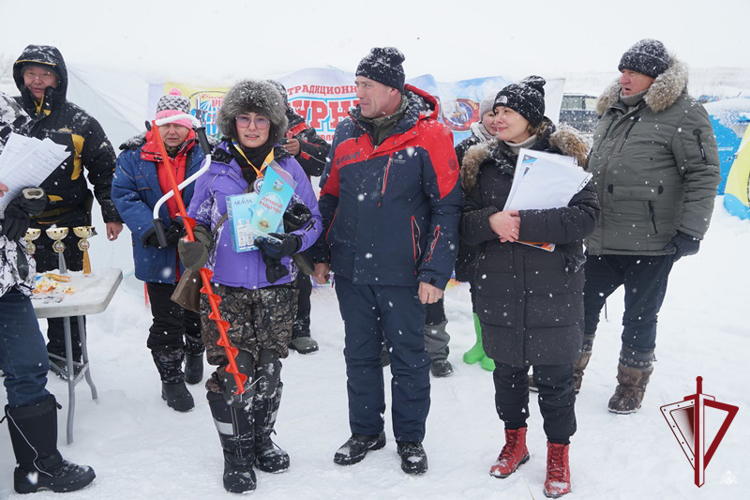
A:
(356, 447)
(173, 389)
(194, 368)
(193, 360)
(413, 457)
(177, 396)
(33, 433)
(269, 457)
(304, 344)
(436, 340)
(236, 435)
(301, 341)
(441, 368)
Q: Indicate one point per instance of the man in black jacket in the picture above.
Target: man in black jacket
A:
(42, 78)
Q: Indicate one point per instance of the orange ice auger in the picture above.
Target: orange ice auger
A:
(189, 223)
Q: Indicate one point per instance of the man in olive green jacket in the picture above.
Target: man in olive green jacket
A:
(655, 166)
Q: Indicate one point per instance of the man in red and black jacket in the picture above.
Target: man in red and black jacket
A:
(311, 151)
(42, 78)
(391, 203)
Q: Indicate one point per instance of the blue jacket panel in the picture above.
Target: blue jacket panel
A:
(135, 191)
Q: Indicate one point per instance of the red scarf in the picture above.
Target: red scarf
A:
(150, 152)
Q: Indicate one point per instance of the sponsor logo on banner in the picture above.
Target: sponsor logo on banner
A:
(459, 114)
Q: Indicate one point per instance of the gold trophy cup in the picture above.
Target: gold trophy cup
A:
(58, 234)
(85, 232)
(31, 234)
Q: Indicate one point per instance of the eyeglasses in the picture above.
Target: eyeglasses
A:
(244, 121)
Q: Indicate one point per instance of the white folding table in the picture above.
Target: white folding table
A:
(93, 294)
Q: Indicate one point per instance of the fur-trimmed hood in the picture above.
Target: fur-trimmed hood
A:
(565, 140)
(665, 90)
(253, 96)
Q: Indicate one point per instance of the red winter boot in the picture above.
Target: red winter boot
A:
(558, 470)
(514, 453)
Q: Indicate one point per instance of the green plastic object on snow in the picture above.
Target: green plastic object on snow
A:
(476, 354)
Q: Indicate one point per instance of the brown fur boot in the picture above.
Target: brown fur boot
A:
(578, 368)
(631, 387)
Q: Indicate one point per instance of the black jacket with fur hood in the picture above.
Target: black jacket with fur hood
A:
(529, 301)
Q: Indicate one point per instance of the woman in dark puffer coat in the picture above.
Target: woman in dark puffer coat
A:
(529, 301)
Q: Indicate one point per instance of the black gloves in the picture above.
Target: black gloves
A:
(684, 245)
(272, 251)
(194, 254)
(31, 201)
(149, 238)
(296, 216)
(282, 245)
(173, 235)
(175, 231)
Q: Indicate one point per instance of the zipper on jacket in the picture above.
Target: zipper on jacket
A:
(697, 134)
(434, 243)
(606, 133)
(415, 239)
(627, 132)
(652, 214)
(385, 179)
(332, 221)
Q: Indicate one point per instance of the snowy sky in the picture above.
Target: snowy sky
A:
(251, 38)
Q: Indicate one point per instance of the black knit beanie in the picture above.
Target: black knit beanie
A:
(648, 57)
(525, 98)
(384, 65)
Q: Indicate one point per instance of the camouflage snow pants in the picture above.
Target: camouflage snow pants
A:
(258, 319)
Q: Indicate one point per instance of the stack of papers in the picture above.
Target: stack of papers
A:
(27, 162)
(542, 181)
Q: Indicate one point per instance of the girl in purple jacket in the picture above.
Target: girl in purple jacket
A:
(258, 297)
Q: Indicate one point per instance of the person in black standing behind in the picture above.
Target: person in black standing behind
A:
(311, 152)
(42, 78)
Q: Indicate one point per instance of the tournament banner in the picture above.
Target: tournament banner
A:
(325, 96)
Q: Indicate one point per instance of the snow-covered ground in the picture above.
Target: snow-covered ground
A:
(141, 449)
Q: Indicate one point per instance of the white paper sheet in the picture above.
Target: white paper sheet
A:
(27, 162)
(543, 180)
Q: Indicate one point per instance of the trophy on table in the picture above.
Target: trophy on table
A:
(85, 232)
(31, 234)
(58, 234)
